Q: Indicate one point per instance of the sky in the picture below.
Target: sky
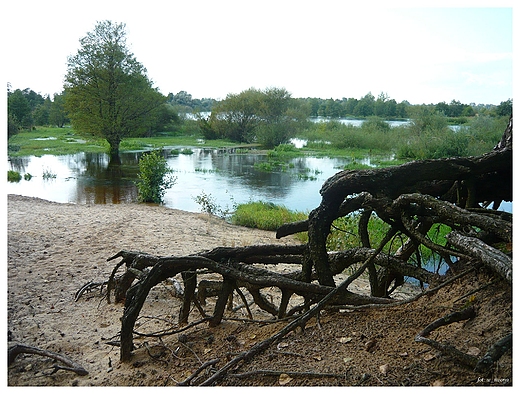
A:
(440, 51)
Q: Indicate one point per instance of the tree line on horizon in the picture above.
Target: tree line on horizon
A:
(107, 93)
(26, 108)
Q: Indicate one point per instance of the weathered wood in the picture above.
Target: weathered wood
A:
(70, 365)
(445, 348)
(493, 258)
(190, 285)
(166, 267)
(497, 350)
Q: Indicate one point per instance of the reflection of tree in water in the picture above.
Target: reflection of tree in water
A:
(241, 168)
(108, 179)
(19, 164)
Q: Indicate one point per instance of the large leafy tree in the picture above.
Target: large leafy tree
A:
(236, 117)
(107, 91)
(269, 117)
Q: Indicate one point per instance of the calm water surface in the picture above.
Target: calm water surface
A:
(226, 176)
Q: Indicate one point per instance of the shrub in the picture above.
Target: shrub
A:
(207, 203)
(154, 177)
(13, 176)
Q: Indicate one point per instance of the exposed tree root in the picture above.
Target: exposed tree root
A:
(70, 365)
(411, 199)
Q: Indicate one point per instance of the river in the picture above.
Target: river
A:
(226, 176)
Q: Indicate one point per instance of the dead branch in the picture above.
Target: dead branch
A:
(448, 349)
(207, 364)
(494, 353)
(70, 365)
(87, 287)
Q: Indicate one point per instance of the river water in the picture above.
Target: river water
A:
(226, 176)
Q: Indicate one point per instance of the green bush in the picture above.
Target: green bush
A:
(13, 176)
(154, 177)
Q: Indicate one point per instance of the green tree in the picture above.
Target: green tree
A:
(380, 104)
(505, 108)
(236, 117)
(279, 116)
(57, 113)
(19, 109)
(365, 106)
(107, 91)
(269, 117)
(41, 113)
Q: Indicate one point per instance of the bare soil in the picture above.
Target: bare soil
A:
(53, 249)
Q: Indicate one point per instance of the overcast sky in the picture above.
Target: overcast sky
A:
(312, 48)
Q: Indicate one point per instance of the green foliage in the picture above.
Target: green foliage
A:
(430, 137)
(107, 92)
(154, 177)
(264, 215)
(270, 166)
(19, 109)
(209, 205)
(184, 102)
(269, 117)
(284, 150)
(12, 126)
(344, 233)
(374, 135)
(57, 114)
(505, 108)
(13, 176)
(484, 132)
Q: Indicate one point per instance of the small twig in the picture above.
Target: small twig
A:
(294, 354)
(171, 332)
(243, 297)
(191, 350)
(476, 290)
(188, 380)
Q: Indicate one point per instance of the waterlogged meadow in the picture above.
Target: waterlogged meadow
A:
(290, 174)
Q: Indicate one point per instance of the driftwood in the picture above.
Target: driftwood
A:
(70, 365)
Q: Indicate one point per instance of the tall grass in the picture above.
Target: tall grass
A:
(264, 215)
(428, 136)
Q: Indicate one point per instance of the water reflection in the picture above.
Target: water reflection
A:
(229, 177)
